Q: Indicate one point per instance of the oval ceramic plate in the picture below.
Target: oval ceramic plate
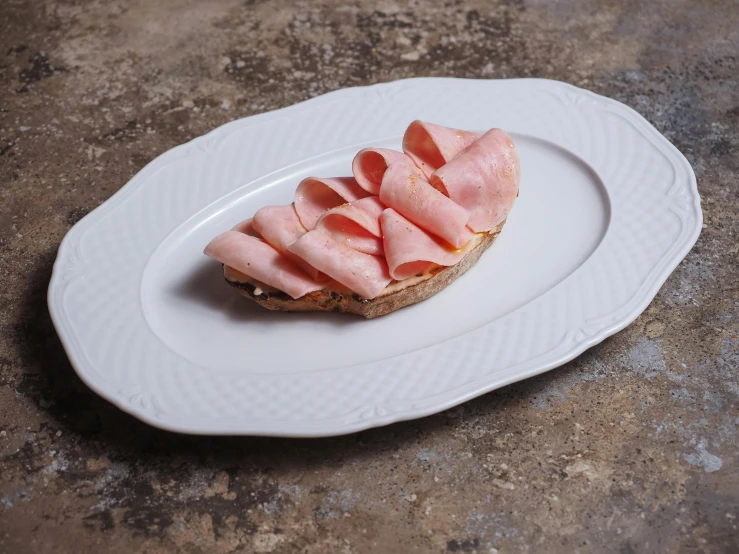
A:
(607, 209)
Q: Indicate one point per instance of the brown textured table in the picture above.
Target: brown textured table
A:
(632, 447)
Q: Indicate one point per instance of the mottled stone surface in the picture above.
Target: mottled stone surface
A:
(630, 448)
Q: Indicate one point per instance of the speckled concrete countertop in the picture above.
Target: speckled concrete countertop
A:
(632, 447)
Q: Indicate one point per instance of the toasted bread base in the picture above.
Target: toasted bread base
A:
(333, 301)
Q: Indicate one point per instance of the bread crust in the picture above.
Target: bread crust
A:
(334, 301)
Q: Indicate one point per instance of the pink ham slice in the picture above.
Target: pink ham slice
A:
(246, 227)
(410, 250)
(280, 227)
(357, 225)
(370, 164)
(431, 146)
(260, 261)
(483, 179)
(314, 196)
(406, 191)
(364, 274)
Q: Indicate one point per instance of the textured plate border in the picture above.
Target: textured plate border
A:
(94, 291)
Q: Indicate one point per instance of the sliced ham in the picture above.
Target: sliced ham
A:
(260, 261)
(401, 214)
(356, 225)
(280, 227)
(364, 274)
(430, 146)
(406, 191)
(370, 164)
(483, 179)
(246, 227)
(315, 196)
(409, 249)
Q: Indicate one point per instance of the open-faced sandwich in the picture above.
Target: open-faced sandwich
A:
(401, 229)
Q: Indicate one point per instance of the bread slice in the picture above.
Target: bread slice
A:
(398, 294)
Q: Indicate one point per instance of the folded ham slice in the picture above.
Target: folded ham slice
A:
(357, 225)
(260, 261)
(246, 227)
(410, 250)
(483, 179)
(364, 274)
(280, 227)
(370, 164)
(431, 146)
(314, 196)
(406, 191)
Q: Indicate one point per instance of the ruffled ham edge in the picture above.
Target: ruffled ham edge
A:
(430, 146)
(370, 164)
(356, 225)
(410, 250)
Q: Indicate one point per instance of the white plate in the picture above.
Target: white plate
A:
(607, 209)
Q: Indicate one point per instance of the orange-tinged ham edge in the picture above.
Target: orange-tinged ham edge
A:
(316, 195)
(364, 274)
(357, 225)
(406, 190)
(260, 261)
(370, 164)
(483, 179)
(409, 249)
(430, 146)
